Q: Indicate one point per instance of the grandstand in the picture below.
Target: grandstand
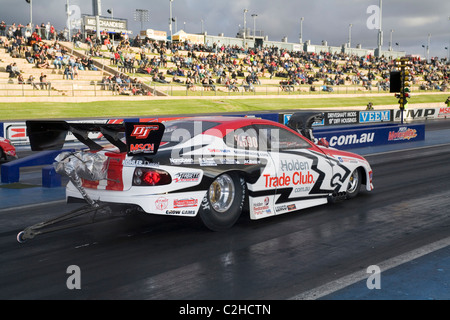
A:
(184, 69)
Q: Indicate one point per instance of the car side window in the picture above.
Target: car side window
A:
(281, 139)
(243, 138)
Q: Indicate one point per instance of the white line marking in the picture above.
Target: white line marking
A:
(355, 277)
(29, 206)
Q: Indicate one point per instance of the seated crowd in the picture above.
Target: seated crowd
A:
(231, 66)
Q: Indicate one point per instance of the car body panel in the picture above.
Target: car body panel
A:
(279, 178)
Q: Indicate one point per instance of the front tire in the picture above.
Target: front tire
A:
(222, 205)
(354, 184)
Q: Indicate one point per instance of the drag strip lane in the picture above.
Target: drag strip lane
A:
(158, 257)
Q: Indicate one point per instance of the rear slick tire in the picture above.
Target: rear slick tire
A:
(222, 205)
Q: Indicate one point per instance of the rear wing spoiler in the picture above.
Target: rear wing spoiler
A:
(302, 122)
(140, 137)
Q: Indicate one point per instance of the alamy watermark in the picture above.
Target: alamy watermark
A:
(74, 280)
(374, 280)
(73, 17)
(373, 22)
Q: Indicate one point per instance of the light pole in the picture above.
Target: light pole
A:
(350, 35)
(301, 29)
(142, 16)
(254, 25)
(428, 47)
(170, 19)
(69, 23)
(31, 12)
(390, 40)
(245, 24)
(380, 31)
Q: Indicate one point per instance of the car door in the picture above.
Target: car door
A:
(302, 175)
(253, 157)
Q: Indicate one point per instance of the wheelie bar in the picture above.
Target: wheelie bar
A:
(53, 224)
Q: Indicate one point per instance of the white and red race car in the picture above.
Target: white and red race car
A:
(206, 167)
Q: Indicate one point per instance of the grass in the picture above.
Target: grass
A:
(149, 108)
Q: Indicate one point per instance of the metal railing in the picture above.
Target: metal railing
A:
(80, 88)
(68, 88)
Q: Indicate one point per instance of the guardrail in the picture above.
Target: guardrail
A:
(370, 128)
(69, 88)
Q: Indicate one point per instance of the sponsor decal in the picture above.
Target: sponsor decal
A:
(141, 147)
(185, 203)
(374, 116)
(344, 117)
(213, 150)
(403, 133)
(18, 133)
(161, 203)
(173, 212)
(185, 212)
(139, 163)
(444, 112)
(141, 131)
(416, 114)
(293, 165)
(284, 208)
(291, 207)
(251, 161)
(262, 207)
(349, 160)
(186, 177)
(178, 161)
(207, 162)
(351, 139)
(245, 141)
(297, 178)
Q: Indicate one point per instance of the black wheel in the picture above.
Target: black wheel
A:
(354, 184)
(223, 202)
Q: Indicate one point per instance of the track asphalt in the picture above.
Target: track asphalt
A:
(401, 278)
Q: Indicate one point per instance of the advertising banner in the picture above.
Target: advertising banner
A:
(367, 136)
(349, 117)
(423, 114)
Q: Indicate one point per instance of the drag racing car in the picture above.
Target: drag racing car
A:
(7, 150)
(207, 167)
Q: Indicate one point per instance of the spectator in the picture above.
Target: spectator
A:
(3, 29)
(28, 56)
(68, 71)
(32, 83)
(43, 81)
(43, 63)
(57, 62)
(47, 31)
(13, 70)
(20, 79)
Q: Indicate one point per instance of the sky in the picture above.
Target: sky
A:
(415, 23)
